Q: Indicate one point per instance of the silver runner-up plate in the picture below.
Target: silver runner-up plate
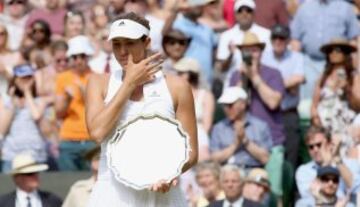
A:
(148, 149)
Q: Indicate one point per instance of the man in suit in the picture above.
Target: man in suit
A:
(26, 178)
(231, 178)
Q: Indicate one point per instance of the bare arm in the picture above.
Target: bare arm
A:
(224, 154)
(36, 109)
(185, 114)
(294, 81)
(314, 105)
(61, 105)
(209, 108)
(6, 116)
(269, 96)
(257, 152)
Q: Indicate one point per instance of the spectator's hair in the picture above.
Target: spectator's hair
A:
(314, 130)
(213, 167)
(46, 27)
(73, 13)
(6, 36)
(349, 71)
(59, 45)
(174, 34)
(231, 168)
(136, 18)
(17, 92)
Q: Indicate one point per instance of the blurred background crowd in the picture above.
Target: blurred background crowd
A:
(276, 85)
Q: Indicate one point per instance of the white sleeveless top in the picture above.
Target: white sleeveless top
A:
(107, 190)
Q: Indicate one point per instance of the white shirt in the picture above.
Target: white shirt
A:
(22, 201)
(156, 25)
(237, 203)
(97, 63)
(235, 35)
(15, 29)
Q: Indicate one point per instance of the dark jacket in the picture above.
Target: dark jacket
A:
(47, 199)
(246, 203)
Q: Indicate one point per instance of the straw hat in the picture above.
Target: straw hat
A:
(258, 176)
(250, 39)
(187, 65)
(25, 163)
(339, 42)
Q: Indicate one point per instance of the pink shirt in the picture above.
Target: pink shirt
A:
(54, 18)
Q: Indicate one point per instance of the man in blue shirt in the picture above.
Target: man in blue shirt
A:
(240, 138)
(323, 152)
(203, 38)
(316, 23)
(291, 66)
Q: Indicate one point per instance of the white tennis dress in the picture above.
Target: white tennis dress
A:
(108, 192)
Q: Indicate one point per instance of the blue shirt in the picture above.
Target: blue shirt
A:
(203, 42)
(290, 64)
(317, 23)
(310, 202)
(306, 173)
(257, 131)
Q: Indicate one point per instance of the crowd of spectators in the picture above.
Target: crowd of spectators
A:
(276, 88)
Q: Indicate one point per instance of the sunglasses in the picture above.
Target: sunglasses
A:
(29, 174)
(176, 41)
(312, 146)
(245, 9)
(275, 37)
(326, 179)
(336, 49)
(60, 60)
(81, 56)
(16, 2)
(38, 30)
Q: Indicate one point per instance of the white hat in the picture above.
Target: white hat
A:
(25, 163)
(187, 65)
(240, 3)
(232, 94)
(194, 3)
(79, 45)
(127, 28)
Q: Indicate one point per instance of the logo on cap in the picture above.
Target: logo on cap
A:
(121, 23)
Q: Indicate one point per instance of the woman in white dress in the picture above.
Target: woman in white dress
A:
(113, 99)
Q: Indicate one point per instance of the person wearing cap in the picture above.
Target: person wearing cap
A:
(139, 88)
(228, 57)
(325, 193)
(323, 151)
(232, 179)
(264, 84)
(174, 44)
(256, 185)
(203, 39)
(336, 85)
(25, 173)
(240, 138)
(290, 64)
(70, 105)
(79, 192)
(314, 25)
(19, 119)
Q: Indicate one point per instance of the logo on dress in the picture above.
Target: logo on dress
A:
(121, 23)
(154, 94)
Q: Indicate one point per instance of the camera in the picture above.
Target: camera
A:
(247, 58)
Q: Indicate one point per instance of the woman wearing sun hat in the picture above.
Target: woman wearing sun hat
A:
(115, 98)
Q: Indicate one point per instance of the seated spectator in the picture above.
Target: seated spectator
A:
(80, 191)
(240, 138)
(231, 178)
(8, 60)
(324, 151)
(291, 66)
(264, 84)
(330, 107)
(70, 105)
(208, 179)
(175, 43)
(74, 24)
(53, 14)
(203, 39)
(325, 193)
(25, 173)
(22, 111)
(256, 185)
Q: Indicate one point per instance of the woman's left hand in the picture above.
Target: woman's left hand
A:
(163, 187)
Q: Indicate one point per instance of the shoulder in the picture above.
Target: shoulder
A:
(262, 30)
(271, 72)
(7, 200)
(99, 81)
(220, 125)
(176, 84)
(250, 203)
(305, 167)
(216, 203)
(229, 32)
(257, 122)
(51, 198)
(83, 183)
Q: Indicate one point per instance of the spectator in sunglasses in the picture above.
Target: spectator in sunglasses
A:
(175, 43)
(14, 18)
(325, 193)
(53, 14)
(212, 16)
(70, 105)
(324, 151)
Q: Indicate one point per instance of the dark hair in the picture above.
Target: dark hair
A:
(314, 130)
(349, 70)
(46, 27)
(18, 93)
(59, 45)
(134, 17)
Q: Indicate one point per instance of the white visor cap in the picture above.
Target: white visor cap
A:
(127, 28)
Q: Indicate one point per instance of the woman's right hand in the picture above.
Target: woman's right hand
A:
(142, 72)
